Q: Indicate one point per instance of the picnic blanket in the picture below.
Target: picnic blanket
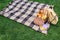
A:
(23, 11)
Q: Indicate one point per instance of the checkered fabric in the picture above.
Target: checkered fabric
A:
(23, 11)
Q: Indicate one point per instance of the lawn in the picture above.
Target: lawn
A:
(11, 30)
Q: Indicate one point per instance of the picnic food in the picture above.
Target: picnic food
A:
(38, 21)
(41, 19)
(42, 15)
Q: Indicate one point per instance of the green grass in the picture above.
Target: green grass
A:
(11, 30)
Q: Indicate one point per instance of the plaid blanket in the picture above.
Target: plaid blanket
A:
(23, 11)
